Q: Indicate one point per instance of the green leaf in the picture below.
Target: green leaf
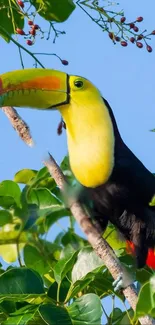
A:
(55, 215)
(63, 290)
(21, 316)
(20, 281)
(8, 306)
(5, 217)
(86, 310)
(146, 299)
(6, 202)
(73, 239)
(54, 315)
(43, 179)
(152, 203)
(119, 317)
(143, 275)
(44, 199)
(10, 190)
(116, 316)
(87, 261)
(111, 236)
(35, 260)
(24, 176)
(9, 19)
(54, 10)
(42, 173)
(63, 266)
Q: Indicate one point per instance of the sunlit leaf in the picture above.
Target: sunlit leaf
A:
(9, 252)
(111, 236)
(24, 176)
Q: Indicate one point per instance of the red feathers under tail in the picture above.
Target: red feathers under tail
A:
(150, 257)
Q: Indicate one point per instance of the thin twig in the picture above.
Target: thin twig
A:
(18, 254)
(19, 125)
(102, 248)
(21, 58)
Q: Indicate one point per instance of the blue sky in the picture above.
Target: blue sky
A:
(125, 77)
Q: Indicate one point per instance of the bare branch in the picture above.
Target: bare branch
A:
(18, 124)
(102, 248)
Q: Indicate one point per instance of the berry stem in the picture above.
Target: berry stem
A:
(21, 46)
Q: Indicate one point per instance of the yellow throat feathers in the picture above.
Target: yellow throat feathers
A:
(90, 137)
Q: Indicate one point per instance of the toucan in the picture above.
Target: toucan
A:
(119, 185)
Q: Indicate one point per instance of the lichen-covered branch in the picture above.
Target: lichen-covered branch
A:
(18, 124)
(94, 237)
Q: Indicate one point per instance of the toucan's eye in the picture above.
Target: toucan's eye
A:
(78, 83)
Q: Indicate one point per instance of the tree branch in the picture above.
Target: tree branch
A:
(102, 248)
(18, 124)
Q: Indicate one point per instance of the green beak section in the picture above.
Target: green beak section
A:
(38, 88)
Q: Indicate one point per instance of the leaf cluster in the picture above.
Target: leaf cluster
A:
(59, 281)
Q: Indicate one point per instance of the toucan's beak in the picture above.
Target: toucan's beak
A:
(40, 88)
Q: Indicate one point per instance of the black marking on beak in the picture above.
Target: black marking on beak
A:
(67, 93)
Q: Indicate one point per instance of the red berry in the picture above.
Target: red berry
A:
(21, 4)
(149, 48)
(111, 35)
(30, 22)
(136, 29)
(153, 32)
(124, 43)
(132, 25)
(139, 19)
(29, 42)
(139, 37)
(132, 39)
(117, 38)
(32, 32)
(64, 62)
(139, 44)
(20, 31)
(122, 20)
(36, 27)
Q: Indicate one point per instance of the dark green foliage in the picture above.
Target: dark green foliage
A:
(62, 280)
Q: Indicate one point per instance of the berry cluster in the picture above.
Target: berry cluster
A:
(32, 32)
(125, 28)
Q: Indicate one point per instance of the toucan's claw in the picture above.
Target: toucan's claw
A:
(123, 281)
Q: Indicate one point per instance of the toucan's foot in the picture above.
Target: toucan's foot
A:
(123, 281)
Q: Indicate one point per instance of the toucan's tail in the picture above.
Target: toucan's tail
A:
(150, 261)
